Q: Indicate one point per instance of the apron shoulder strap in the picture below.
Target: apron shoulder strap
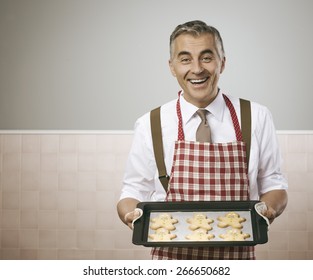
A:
(156, 132)
(245, 109)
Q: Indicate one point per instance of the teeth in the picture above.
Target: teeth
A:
(198, 81)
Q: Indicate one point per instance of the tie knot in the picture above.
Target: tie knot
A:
(202, 114)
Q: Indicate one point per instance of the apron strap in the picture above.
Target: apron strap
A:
(245, 109)
(156, 131)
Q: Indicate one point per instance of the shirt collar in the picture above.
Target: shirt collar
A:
(216, 108)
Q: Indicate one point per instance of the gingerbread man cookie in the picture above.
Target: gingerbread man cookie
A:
(199, 220)
(162, 234)
(200, 234)
(231, 219)
(163, 221)
(234, 235)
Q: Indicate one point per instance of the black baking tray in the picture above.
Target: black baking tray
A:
(255, 224)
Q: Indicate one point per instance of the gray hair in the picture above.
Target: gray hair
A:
(196, 28)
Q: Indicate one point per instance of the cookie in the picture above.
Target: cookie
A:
(234, 235)
(162, 234)
(231, 219)
(199, 220)
(163, 221)
(200, 234)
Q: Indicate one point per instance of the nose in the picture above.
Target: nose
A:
(197, 67)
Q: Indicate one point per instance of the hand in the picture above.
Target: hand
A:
(270, 213)
(131, 216)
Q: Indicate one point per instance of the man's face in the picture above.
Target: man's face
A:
(197, 63)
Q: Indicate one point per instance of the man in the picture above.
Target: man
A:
(197, 60)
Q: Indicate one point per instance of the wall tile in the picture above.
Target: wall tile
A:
(86, 239)
(31, 143)
(29, 219)
(106, 162)
(11, 162)
(47, 219)
(1, 145)
(296, 255)
(105, 220)
(68, 143)
(106, 180)
(67, 239)
(87, 143)
(29, 200)
(298, 240)
(12, 143)
(67, 200)
(48, 200)
(297, 201)
(28, 254)
(105, 239)
(28, 239)
(67, 219)
(10, 219)
(68, 181)
(87, 181)
(10, 200)
(66, 254)
(49, 143)
(47, 239)
(10, 239)
(31, 162)
(47, 254)
(296, 162)
(309, 143)
(30, 181)
(68, 162)
(49, 162)
(299, 181)
(49, 181)
(86, 200)
(86, 220)
(310, 162)
(104, 254)
(11, 180)
(297, 221)
(85, 254)
(86, 162)
(297, 143)
(105, 143)
(10, 254)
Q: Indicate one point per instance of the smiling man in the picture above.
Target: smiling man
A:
(205, 152)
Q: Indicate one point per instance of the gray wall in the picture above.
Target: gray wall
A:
(72, 64)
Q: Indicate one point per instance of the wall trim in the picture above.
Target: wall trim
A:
(121, 132)
(118, 132)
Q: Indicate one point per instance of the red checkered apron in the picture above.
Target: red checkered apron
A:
(208, 172)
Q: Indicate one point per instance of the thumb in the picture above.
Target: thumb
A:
(130, 217)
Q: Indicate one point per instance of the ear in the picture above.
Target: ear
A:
(170, 63)
(223, 64)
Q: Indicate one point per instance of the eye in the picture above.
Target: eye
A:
(207, 59)
(185, 60)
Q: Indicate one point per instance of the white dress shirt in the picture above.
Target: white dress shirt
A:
(141, 176)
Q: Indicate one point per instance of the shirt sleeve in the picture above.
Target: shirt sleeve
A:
(140, 170)
(269, 176)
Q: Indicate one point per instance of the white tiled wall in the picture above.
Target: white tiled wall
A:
(58, 195)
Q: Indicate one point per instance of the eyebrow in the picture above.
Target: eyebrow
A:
(207, 51)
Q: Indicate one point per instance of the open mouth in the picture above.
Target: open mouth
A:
(198, 81)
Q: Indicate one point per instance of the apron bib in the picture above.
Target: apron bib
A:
(208, 172)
